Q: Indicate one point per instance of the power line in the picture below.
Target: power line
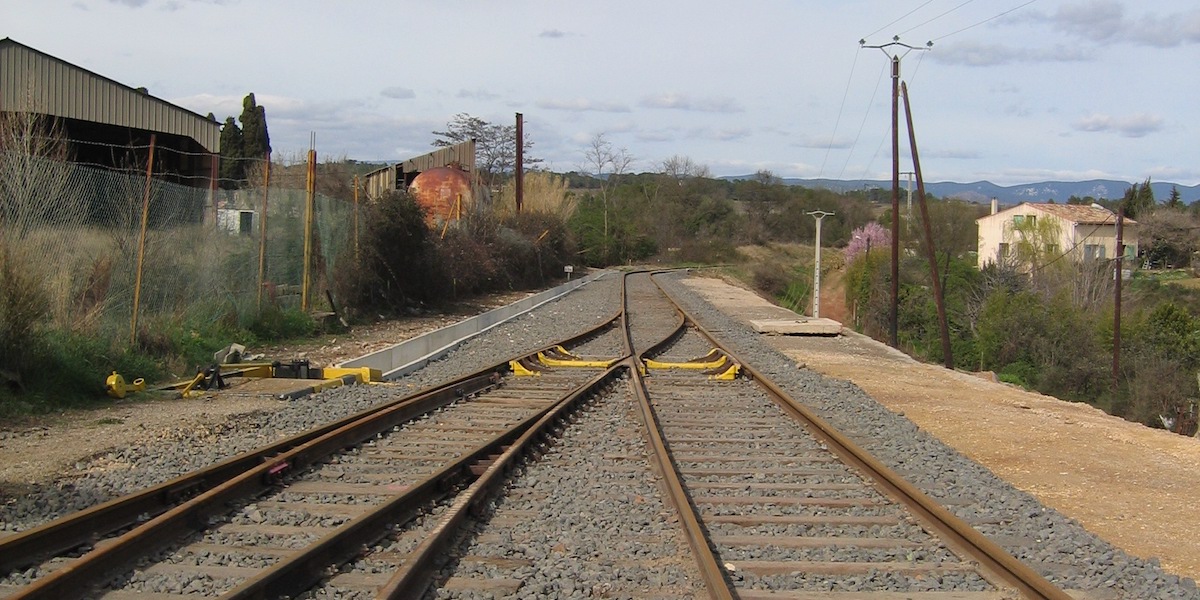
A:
(882, 140)
(1075, 246)
(863, 124)
(937, 17)
(841, 108)
(985, 20)
(927, 3)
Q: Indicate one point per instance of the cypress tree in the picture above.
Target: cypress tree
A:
(256, 140)
(233, 168)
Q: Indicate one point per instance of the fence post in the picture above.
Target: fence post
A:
(356, 254)
(308, 224)
(212, 186)
(137, 285)
(262, 231)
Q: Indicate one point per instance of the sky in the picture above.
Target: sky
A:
(1011, 91)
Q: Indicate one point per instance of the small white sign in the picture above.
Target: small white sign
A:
(568, 269)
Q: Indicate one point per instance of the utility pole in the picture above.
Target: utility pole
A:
(819, 215)
(1116, 363)
(901, 50)
(520, 167)
(931, 252)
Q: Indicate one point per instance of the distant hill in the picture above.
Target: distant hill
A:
(982, 191)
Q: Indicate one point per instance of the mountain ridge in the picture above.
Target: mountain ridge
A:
(983, 191)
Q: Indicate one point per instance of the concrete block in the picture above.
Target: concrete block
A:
(797, 326)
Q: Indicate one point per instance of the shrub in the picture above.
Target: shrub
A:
(397, 269)
(23, 309)
(277, 324)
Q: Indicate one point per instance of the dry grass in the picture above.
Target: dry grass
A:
(544, 193)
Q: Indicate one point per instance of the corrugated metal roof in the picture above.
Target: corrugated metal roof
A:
(59, 88)
(384, 179)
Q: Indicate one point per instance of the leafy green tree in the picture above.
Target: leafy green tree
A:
(1175, 199)
(1162, 366)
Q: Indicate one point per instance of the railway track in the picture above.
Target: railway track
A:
(655, 473)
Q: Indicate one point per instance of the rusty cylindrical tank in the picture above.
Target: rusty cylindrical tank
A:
(444, 193)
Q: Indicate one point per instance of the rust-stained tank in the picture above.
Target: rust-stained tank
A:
(444, 192)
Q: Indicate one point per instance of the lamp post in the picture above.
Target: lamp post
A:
(819, 215)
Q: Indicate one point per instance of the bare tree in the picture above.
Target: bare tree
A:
(495, 145)
(683, 167)
(34, 174)
(607, 164)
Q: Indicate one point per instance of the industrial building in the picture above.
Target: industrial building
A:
(109, 124)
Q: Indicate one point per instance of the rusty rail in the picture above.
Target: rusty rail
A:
(998, 566)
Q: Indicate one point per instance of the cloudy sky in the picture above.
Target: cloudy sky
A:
(1012, 91)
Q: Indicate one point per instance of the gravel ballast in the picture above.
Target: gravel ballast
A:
(124, 470)
(1058, 547)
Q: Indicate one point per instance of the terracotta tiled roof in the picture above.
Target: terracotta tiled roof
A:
(1081, 213)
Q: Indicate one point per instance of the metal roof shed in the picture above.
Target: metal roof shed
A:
(100, 110)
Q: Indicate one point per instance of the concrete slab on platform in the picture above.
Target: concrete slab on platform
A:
(798, 326)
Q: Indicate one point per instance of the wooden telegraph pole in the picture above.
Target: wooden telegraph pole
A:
(520, 168)
(902, 50)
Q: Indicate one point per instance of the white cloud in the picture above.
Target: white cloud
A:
(974, 54)
(820, 142)
(476, 94)
(656, 136)
(675, 101)
(1102, 21)
(1132, 126)
(582, 105)
(398, 93)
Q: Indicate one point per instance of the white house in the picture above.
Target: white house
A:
(1083, 232)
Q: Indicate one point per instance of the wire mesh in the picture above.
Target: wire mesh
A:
(79, 228)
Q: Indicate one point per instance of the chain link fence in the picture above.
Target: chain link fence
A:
(206, 254)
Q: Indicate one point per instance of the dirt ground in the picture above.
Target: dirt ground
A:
(1131, 485)
(38, 449)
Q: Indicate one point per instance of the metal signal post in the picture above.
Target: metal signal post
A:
(819, 215)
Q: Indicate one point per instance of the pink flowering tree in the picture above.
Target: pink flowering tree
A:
(871, 235)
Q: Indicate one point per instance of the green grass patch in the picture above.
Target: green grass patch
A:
(277, 324)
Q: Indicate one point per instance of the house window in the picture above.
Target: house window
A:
(1093, 252)
(1020, 220)
(1052, 249)
(1003, 253)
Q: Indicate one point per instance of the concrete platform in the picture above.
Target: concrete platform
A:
(797, 326)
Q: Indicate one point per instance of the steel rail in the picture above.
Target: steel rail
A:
(86, 526)
(711, 572)
(996, 564)
(414, 577)
(73, 579)
(301, 571)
